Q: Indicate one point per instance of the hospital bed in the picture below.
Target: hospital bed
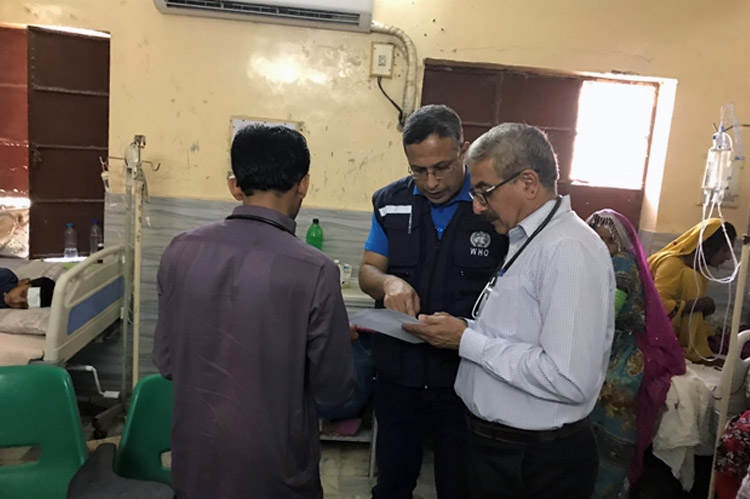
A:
(689, 420)
(87, 299)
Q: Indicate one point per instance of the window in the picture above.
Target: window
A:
(612, 134)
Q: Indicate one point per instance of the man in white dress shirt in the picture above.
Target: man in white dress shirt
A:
(534, 359)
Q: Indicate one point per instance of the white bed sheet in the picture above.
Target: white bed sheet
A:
(688, 424)
(34, 321)
(20, 349)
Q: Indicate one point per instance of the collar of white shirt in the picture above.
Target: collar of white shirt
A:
(528, 225)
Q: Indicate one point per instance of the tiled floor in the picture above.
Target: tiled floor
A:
(343, 472)
(343, 469)
(17, 455)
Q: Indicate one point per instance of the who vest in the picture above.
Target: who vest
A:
(448, 275)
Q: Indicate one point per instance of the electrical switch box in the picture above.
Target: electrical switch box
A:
(381, 63)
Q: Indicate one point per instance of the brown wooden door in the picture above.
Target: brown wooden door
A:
(14, 144)
(488, 95)
(68, 132)
(14, 125)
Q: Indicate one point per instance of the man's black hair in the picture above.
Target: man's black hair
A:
(433, 119)
(269, 158)
(46, 290)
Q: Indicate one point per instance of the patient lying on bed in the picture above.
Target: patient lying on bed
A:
(24, 293)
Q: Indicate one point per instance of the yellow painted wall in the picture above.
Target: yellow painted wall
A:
(178, 80)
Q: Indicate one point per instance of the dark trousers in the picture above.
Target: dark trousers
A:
(365, 369)
(405, 416)
(561, 469)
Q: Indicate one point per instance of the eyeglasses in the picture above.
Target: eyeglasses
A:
(481, 196)
(439, 172)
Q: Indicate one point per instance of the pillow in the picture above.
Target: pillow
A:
(24, 321)
(38, 268)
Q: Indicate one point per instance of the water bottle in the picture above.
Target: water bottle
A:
(314, 235)
(346, 275)
(71, 242)
(338, 264)
(96, 240)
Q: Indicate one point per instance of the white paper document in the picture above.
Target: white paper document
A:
(386, 321)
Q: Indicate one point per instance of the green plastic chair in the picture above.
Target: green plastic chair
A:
(38, 408)
(147, 432)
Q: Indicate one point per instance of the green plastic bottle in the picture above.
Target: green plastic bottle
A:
(314, 236)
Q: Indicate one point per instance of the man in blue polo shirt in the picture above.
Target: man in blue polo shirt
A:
(426, 252)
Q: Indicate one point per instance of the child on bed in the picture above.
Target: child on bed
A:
(16, 292)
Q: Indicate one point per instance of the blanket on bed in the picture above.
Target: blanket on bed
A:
(19, 349)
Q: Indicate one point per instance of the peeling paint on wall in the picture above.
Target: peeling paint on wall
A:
(203, 71)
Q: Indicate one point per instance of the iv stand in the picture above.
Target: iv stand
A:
(733, 353)
(135, 187)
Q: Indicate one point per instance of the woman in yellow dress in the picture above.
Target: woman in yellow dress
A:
(682, 288)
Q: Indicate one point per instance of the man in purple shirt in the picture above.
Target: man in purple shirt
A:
(252, 330)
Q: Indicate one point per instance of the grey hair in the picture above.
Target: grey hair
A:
(514, 147)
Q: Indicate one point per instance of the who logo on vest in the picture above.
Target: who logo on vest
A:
(480, 241)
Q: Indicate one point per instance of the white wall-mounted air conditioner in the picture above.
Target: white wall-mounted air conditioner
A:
(352, 15)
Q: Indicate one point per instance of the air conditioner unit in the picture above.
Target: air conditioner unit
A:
(352, 15)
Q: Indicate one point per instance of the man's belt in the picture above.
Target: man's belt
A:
(497, 431)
